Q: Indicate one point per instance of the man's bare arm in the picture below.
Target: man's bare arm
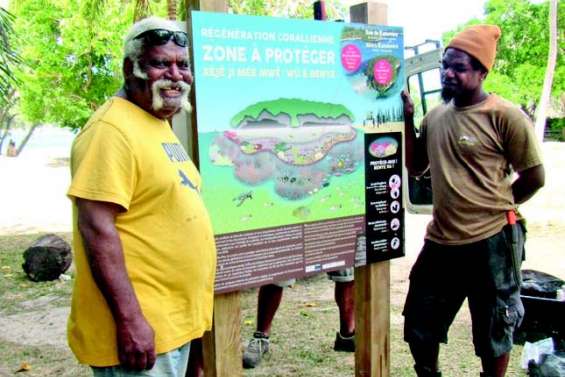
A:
(135, 337)
(416, 156)
(528, 183)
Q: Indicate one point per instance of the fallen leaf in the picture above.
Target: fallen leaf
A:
(248, 322)
(6, 268)
(24, 367)
(311, 304)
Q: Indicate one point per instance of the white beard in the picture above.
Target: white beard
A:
(159, 101)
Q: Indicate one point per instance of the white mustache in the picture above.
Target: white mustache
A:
(181, 86)
(168, 84)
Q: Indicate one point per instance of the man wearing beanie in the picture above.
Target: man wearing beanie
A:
(472, 144)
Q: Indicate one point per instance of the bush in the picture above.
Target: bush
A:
(556, 128)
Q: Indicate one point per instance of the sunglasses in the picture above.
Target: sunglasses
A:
(158, 37)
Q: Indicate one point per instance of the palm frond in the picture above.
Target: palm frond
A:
(141, 10)
(8, 56)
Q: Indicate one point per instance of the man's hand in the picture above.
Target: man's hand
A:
(408, 105)
(416, 155)
(136, 344)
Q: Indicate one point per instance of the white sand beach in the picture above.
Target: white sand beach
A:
(33, 185)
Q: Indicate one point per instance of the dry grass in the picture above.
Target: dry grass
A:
(304, 330)
(302, 335)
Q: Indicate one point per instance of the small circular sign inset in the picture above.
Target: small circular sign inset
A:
(351, 58)
(395, 224)
(394, 182)
(382, 71)
(395, 206)
(395, 243)
(395, 193)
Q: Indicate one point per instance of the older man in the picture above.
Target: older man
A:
(474, 243)
(145, 252)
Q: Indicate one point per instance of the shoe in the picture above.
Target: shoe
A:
(257, 347)
(426, 372)
(344, 344)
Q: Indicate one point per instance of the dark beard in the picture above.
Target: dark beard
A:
(447, 94)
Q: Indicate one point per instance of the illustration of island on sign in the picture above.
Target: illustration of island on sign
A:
(300, 144)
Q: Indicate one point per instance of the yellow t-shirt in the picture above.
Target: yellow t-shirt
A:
(126, 156)
(472, 152)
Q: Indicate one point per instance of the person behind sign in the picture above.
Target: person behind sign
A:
(144, 246)
(473, 247)
(269, 299)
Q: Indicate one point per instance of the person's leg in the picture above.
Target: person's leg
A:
(268, 302)
(434, 298)
(196, 359)
(345, 300)
(344, 295)
(495, 366)
(494, 298)
(425, 356)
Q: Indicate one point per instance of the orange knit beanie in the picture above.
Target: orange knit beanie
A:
(478, 41)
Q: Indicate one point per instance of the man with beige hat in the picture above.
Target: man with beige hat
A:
(474, 245)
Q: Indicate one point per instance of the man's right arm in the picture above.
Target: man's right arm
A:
(416, 155)
(103, 247)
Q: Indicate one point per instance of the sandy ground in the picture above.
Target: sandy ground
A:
(32, 193)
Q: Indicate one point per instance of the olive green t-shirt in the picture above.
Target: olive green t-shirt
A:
(472, 152)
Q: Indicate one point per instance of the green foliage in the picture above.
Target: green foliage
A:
(74, 57)
(556, 128)
(8, 57)
(521, 60)
(285, 8)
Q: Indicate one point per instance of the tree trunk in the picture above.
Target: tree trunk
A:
(172, 9)
(5, 116)
(549, 72)
(7, 126)
(26, 139)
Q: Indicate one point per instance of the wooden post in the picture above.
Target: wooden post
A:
(221, 346)
(320, 10)
(372, 282)
(370, 12)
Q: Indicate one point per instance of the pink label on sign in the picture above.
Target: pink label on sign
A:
(351, 58)
(383, 72)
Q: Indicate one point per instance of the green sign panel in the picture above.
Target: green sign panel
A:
(283, 110)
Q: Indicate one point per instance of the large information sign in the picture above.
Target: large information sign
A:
(297, 131)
